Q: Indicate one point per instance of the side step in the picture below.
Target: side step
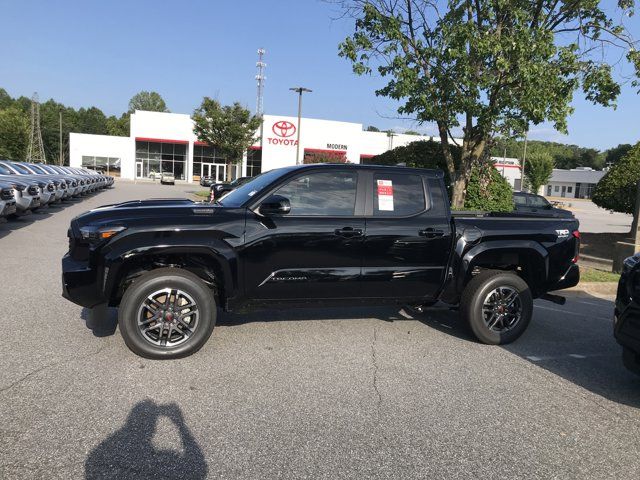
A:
(557, 299)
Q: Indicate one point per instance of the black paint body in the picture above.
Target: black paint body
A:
(627, 313)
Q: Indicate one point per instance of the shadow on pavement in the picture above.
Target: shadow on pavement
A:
(576, 342)
(130, 453)
(101, 320)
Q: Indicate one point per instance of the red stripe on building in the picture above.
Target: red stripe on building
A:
(366, 155)
(253, 147)
(161, 140)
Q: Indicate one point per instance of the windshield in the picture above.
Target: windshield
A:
(20, 169)
(242, 194)
(37, 168)
(4, 170)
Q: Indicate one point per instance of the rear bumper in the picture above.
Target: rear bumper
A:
(80, 283)
(570, 279)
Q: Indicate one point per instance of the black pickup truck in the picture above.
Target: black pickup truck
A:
(323, 234)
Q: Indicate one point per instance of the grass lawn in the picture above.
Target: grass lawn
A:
(592, 275)
(203, 193)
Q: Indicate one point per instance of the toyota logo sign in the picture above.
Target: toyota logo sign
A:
(283, 128)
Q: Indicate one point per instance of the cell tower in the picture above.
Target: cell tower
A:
(35, 153)
(260, 78)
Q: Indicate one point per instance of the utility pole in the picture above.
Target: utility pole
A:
(300, 90)
(524, 159)
(60, 141)
(35, 153)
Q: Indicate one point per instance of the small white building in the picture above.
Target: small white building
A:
(510, 169)
(575, 183)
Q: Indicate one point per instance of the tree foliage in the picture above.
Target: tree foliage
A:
(538, 168)
(231, 128)
(613, 155)
(14, 133)
(372, 128)
(491, 67)
(488, 191)
(148, 101)
(617, 189)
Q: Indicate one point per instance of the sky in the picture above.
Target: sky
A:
(100, 53)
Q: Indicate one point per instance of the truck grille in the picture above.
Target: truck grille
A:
(6, 194)
(32, 190)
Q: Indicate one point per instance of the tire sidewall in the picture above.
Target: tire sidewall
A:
(474, 310)
(157, 280)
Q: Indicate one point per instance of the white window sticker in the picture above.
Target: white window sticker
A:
(385, 195)
(252, 193)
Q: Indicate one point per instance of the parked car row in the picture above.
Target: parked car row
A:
(25, 187)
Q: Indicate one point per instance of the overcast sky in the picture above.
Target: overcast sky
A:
(84, 53)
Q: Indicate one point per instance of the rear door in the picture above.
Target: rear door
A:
(407, 237)
(314, 251)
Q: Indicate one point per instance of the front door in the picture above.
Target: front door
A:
(139, 172)
(408, 236)
(314, 251)
(564, 191)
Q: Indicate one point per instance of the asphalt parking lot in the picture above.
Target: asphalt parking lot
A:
(322, 393)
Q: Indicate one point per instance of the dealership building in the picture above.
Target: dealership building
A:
(161, 142)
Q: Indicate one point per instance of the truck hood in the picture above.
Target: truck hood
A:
(157, 211)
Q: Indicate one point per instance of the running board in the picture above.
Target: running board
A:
(557, 299)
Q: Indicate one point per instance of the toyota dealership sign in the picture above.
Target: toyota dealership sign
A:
(283, 129)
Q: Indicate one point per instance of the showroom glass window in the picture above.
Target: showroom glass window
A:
(207, 155)
(254, 162)
(158, 157)
(322, 193)
(397, 194)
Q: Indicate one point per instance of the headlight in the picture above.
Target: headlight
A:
(95, 234)
(19, 187)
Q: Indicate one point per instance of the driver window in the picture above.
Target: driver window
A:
(322, 193)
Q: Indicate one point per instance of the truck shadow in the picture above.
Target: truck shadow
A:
(130, 453)
(575, 341)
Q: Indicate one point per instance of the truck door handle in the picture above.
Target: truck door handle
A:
(431, 233)
(348, 232)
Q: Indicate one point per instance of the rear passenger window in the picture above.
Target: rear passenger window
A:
(322, 193)
(397, 194)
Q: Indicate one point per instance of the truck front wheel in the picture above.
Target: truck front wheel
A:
(167, 313)
(497, 306)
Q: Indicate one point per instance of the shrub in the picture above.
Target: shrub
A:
(538, 169)
(488, 190)
(617, 189)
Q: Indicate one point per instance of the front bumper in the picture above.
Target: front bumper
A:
(80, 283)
(9, 208)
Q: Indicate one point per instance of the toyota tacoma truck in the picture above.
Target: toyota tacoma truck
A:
(313, 234)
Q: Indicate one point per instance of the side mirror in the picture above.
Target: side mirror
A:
(275, 205)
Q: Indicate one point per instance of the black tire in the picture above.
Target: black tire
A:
(186, 284)
(473, 300)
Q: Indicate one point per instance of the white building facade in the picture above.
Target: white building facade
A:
(165, 142)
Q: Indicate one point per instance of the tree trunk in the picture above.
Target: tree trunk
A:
(473, 150)
(229, 171)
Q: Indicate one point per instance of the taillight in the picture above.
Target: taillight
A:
(576, 235)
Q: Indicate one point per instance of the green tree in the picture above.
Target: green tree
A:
(118, 126)
(14, 133)
(617, 189)
(149, 101)
(411, 132)
(614, 154)
(371, 128)
(538, 169)
(230, 128)
(491, 67)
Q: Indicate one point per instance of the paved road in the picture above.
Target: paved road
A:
(331, 393)
(595, 219)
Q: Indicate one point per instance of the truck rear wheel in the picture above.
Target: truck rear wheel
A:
(497, 306)
(167, 313)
